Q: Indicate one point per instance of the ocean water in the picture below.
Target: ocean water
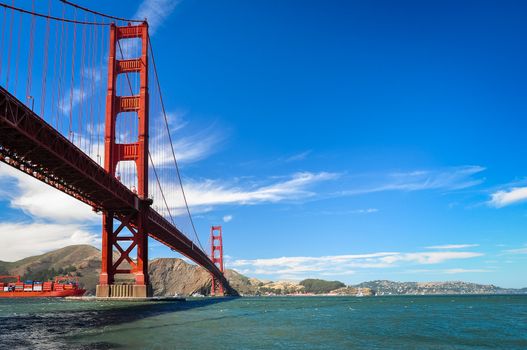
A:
(406, 322)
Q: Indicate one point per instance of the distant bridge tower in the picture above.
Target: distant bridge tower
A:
(216, 255)
(114, 243)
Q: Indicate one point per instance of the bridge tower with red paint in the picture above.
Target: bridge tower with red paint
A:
(117, 243)
(216, 255)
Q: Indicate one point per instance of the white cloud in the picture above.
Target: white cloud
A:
(453, 271)
(227, 218)
(204, 195)
(210, 192)
(188, 148)
(302, 267)
(20, 240)
(504, 198)
(426, 258)
(346, 212)
(459, 270)
(42, 201)
(297, 157)
(71, 99)
(365, 211)
(452, 246)
(156, 12)
(448, 179)
(196, 147)
(516, 251)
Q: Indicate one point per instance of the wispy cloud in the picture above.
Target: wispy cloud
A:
(72, 97)
(205, 195)
(452, 246)
(297, 157)
(459, 270)
(453, 271)
(301, 267)
(211, 192)
(516, 251)
(227, 218)
(156, 12)
(447, 179)
(25, 239)
(71, 100)
(345, 212)
(504, 198)
(188, 147)
(365, 211)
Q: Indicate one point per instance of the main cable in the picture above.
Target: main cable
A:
(149, 155)
(51, 17)
(171, 143)
(102, 14)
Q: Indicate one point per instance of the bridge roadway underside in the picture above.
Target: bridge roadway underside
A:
(29, 144)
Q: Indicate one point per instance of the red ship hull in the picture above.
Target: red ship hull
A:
(50, 294)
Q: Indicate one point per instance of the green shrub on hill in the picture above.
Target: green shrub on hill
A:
(320, 286)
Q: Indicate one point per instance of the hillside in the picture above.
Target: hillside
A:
(80, 260)
(170, 276)
(450, 287)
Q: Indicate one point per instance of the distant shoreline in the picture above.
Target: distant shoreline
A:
(381, 296)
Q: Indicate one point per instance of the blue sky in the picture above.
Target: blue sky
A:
(350, 140)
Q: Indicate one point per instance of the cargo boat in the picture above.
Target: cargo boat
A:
(63, 286)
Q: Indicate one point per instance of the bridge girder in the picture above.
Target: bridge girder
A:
(34, 147)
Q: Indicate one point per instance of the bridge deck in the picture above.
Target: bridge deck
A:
(31, 145)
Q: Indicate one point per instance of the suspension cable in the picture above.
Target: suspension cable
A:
(171, 143)
(149, 155)
(30, 58)
(102, 14)
(2, 42)
(12, 18)
(51, 17)
(161, 189)
(45, 66)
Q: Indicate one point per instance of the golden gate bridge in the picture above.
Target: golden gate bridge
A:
(81, 110)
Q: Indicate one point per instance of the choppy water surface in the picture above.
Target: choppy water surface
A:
(421, 322)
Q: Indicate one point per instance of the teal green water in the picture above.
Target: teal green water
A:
(420, 322)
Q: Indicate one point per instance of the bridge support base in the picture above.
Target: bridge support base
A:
(141, 291)
(102, 291)
(123, 291)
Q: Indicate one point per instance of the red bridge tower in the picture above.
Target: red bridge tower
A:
(216, 245)
(113, 240)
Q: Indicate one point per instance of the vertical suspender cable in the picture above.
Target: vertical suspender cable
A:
(92, 41)
(2, 41)
(72, 138)
(82, 72)
(171, 144)
(54, 92)
(45, 65)
(60, 97)
(17, 57)
(9, 47)
(99, 123)
(30, 58)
